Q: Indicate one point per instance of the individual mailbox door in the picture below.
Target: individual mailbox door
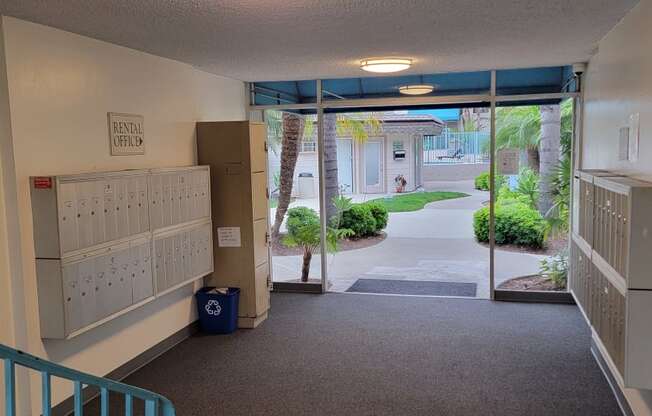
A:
(159, 264)
(133, 213)
(175, 198)
(110, 218)
(71, 298)
(143, 204)
(68, 217)
(183, 204)
(155, 201)
(202, 189)
(195, 204)
(122, 214)
(192, 252)
(143, 287)
(166, 205)
(124, 292)
(178, 260)
(84, 227)
(170, 263)
(97, 211)
(113, 283)
(186, 256)
(87, 291)
(102, 288)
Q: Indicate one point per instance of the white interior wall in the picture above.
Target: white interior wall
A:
(61, 86)
(617, 84)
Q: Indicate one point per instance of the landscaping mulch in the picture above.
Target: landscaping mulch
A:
(278, 249)
(553, 246)
(534, 282)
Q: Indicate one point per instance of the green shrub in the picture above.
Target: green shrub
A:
(506, 196)
(482, 181)
(360, 220)
(380, 214)
(516, 223)
(528, 185)
(556, 269)
(301, 218)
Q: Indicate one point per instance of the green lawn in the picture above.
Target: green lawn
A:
(415, 201)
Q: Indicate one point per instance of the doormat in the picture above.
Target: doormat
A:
(413, 287)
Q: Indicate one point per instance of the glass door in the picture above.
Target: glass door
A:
(532, 207)
(293, 183)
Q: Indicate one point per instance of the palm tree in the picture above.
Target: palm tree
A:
(519, 128)
(292, 133)
(536, 131)
(359, 129)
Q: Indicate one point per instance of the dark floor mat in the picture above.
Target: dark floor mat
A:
(413, 287)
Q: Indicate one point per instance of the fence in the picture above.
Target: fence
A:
(456, 148)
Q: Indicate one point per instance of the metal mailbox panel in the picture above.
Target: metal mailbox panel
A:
(71, 298)
(68, 217)
(141, 273)
(86, 270)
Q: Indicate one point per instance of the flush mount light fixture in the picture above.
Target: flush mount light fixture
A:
(385, 65)
(416, 89)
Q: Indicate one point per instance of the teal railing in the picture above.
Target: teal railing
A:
(452, 147)
(155, 404)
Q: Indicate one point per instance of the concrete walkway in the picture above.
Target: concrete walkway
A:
(434, 244)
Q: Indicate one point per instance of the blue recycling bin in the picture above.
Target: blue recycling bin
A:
(218, 313)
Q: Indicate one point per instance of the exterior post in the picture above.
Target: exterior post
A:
(492, 189)
(322, 188)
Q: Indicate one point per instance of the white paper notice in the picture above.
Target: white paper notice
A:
(508, 161)
(228, 237)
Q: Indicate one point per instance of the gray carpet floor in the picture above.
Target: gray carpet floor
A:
(352, 354)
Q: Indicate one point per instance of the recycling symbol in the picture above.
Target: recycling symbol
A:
(213, 307)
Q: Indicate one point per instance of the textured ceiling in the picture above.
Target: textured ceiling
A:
(257, 40)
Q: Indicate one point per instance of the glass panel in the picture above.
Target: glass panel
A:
(294, 197)
(409, 223)
(372, 163)
(345, 165)
(533, 196)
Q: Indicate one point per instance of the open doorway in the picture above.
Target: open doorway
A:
(409, 195)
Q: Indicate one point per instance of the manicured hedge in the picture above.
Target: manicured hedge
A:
(380, 214)
(516, 223)
(365, 219)
(482, 181)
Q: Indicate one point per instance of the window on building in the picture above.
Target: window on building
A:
(308, 146)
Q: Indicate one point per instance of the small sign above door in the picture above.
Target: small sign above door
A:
(126, 134)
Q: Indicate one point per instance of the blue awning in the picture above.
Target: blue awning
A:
(508, 82)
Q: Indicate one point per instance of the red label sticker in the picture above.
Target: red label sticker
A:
(43, 182)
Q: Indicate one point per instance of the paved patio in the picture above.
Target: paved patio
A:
(435, 244)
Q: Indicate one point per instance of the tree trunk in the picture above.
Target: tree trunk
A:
(305, 267)
(533, 159)
(549, 153)
(292, 135)
(330, 179)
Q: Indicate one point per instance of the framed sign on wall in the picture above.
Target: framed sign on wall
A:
(126, 134)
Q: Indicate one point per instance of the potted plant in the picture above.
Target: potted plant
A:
(400, 182)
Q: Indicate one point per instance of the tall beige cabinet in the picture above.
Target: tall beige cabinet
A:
(236, 152)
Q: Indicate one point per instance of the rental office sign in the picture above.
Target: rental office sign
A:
(126, 134)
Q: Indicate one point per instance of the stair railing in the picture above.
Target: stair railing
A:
(155, 404)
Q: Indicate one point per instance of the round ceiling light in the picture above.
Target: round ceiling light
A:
(417, 89)
(385, 65)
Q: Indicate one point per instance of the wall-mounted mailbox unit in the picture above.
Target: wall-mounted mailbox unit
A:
(610, 275)
(94, 242)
